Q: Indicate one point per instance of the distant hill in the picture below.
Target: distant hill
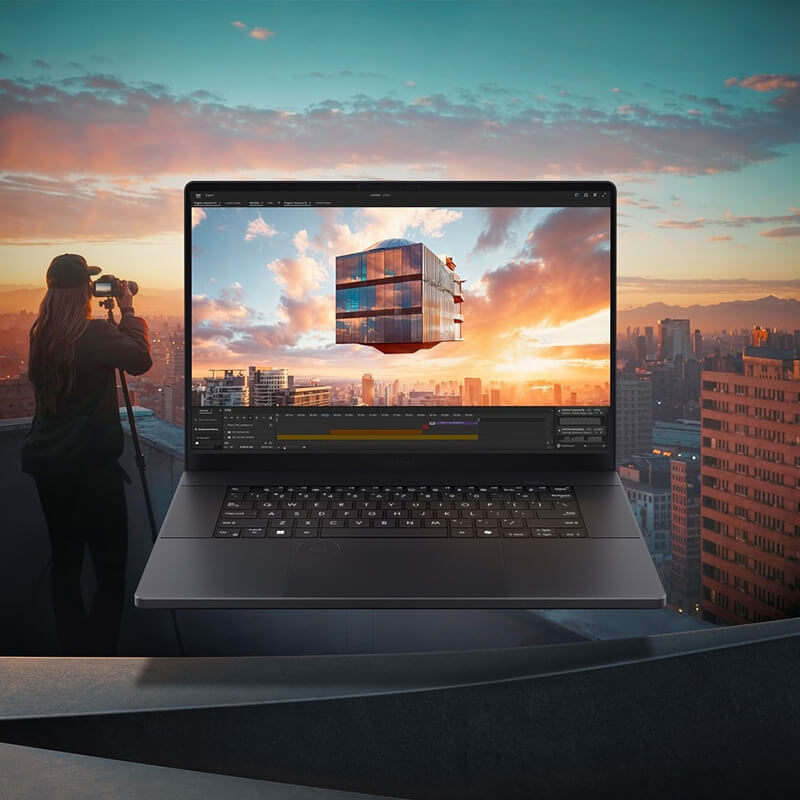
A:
(160, 302)
(769, 312)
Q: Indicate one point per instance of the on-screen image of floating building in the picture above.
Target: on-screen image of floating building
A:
(398, 297)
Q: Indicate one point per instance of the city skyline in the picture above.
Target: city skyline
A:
(259, 385)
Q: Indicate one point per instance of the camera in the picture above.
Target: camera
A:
(111, 286)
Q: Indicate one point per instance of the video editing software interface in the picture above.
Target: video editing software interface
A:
(397, 320)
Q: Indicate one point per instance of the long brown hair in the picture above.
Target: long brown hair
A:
(63, 315)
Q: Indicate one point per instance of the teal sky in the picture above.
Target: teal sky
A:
(693, 109)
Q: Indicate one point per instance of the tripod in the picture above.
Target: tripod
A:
(108, 304)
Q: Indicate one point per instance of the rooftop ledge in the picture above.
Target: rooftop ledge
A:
(160, 434)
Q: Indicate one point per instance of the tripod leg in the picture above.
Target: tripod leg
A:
(139, 455)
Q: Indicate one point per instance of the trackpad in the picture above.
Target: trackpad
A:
(396, 568)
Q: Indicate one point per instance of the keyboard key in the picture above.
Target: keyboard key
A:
(280, 523)
(515, 533)
(240, 504)
(462, 533)
(227, 533)
(305, 533)
(387, 533)
(487, 533)
(544, 533)
(280, 533)
(558, 514)
(572, 533)
(254, 532)
(239, 514)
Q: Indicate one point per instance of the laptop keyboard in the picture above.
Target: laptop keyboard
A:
(458, 512)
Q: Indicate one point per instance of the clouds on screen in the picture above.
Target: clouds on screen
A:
(257, 228)
(560, 276)
(298, 277)
(198, 215)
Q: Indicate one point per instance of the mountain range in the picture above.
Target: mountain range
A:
(768, 312)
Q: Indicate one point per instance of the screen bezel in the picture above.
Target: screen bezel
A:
(398, 462)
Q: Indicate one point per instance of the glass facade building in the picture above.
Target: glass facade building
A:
(397, 296)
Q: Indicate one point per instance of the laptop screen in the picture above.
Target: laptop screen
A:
(389, 318)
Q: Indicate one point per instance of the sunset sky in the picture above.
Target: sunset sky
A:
(693, 110)
(536, 292)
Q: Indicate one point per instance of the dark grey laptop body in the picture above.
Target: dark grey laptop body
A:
(608, 568)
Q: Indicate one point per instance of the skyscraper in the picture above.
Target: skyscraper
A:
(397, 296)
(557, 394)
(368, 389)
(264, 382)
(641, 350)
(472, 391)
(634, 413)
(667, 390)
(229, 390)
(651, 340)
(698, 344)
(684, 582)
(750, 527)
(674, 338)
(303, 396)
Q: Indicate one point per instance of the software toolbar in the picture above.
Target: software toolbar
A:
(262, 429)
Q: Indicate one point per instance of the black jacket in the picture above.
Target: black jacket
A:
(86, 426)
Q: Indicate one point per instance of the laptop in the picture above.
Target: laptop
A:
(400, 395)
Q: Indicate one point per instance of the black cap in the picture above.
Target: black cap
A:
(69, 270)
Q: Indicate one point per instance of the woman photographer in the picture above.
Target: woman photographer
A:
(73, 445)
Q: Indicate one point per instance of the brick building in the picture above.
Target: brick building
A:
(750, 493)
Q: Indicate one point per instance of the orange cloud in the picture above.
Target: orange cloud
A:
(65, 128)
(769, 83)
(238, 24)
(779, 233)
(261, 33)
(49, 210)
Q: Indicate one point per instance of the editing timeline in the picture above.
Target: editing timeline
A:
(260, 429)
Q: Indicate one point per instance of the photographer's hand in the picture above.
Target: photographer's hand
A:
(125, 300)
